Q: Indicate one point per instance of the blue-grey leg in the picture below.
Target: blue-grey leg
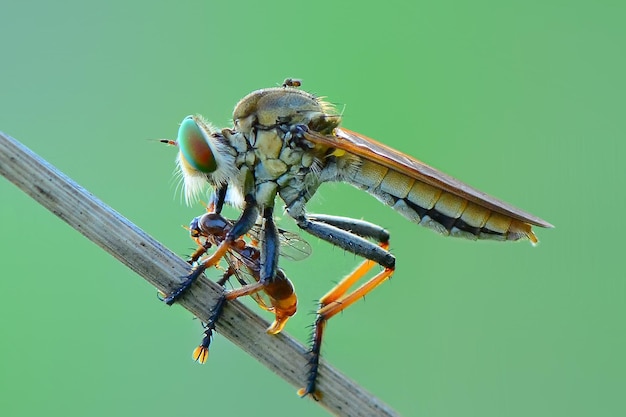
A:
(349, 234)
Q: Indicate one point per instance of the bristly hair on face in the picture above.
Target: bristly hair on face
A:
(194, 181)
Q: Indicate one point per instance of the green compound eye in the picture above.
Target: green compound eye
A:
(194, 146)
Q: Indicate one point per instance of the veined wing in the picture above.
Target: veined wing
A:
(292, 246)
(376, 152)
(246, 270)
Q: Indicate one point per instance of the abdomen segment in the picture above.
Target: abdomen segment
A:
(442, 211)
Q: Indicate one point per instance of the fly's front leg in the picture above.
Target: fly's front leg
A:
(270, 247)
(201, 353)
(267, 271)
(283, 303)
(350, 235)
(241, 227)
(217, 200)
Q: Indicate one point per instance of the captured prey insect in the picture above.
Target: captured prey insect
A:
(242, 259)
(286, 142)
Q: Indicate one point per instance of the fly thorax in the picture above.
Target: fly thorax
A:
(267, 146)
(268, 162)
(270, 106)
(271, 121)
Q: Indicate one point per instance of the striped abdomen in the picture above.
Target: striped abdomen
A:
(436, 209)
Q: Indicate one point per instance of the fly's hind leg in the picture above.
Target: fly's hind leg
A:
(351, 235)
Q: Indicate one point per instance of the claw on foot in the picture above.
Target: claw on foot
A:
(316, 394)
(200, 354)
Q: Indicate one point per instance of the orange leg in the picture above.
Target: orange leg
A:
(198, 253)
(355, 236)
(334, 302)
(281, 299)
(349, 280)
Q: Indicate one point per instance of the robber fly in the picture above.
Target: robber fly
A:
(285, 143)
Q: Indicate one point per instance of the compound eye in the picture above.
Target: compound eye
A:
(195, 147)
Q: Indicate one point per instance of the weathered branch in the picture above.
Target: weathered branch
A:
(163, 269)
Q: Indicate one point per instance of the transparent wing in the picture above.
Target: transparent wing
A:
(292, 246)
(246, 271)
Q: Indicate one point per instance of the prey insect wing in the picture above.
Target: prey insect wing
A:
(292, 246)
(245, 268)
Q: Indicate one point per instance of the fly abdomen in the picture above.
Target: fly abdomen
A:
(439, 210)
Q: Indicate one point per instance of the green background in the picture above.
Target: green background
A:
(523, 100)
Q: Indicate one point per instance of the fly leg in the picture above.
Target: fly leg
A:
(270, 247)
(270, 279)
(351, 235)
(241, 227)
(282, 302)
(217, 200)
(283, 305)
(201, 353)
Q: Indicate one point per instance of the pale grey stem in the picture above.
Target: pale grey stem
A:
(163, 269)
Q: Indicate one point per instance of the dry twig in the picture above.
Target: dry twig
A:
(163, 269)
